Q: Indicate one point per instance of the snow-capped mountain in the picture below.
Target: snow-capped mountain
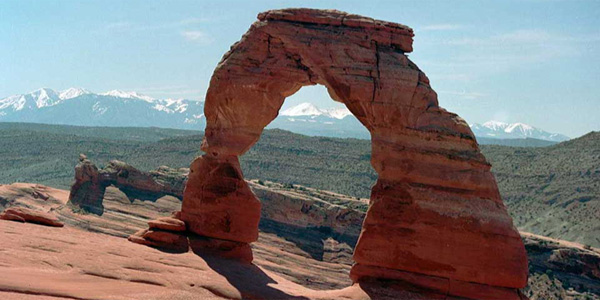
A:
(78, 106)
(501, 130)
(127, 95)
(36, 99)
(306, 118)
(308, 109)
(72, 93)
(309, 119)
(43, 97)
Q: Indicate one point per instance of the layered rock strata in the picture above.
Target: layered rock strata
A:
(171, 234)
(220, 179)
(435, 209)
(26, 215)
(558, 269)
(90, 183)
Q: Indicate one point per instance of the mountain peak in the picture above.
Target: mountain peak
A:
(128, 95)
(44, 97)
(72, 93)
(309, 109)
(502, 130)
(302, 109)
(519, 126)
(495, 125)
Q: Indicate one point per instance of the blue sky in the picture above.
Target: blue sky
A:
(536, 61)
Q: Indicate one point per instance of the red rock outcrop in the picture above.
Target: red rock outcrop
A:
(308, 208)
(87, 192)
(435, 209)
(559, 269)
(26, 215)
(167, 223)
(227, 208)
(571, 263)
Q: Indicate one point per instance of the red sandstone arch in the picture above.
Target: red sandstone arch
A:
(435, 209)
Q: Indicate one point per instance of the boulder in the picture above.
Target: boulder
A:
(168, 224)
(22, 214)
(161, 239)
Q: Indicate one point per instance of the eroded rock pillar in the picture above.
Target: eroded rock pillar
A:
(218, 202)
(436, 218)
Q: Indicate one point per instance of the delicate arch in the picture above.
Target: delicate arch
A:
(435, 209)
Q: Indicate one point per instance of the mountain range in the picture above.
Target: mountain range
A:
(309, 119)
(78, 106)
(501, 130)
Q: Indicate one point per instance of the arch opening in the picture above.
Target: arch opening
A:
(325, 226)
(312, 112)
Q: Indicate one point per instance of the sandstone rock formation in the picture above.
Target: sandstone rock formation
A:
(307, 208)
(167, 223)
(90, 183)
(296, 246)
(162, 239)
(435, 210)
(26, 215)
(571, 264)
(228, 208)
(87, 191)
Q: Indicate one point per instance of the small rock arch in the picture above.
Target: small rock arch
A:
(435, 210)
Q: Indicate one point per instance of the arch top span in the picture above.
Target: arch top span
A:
(435, 209)
(386, 33)
(361, 62)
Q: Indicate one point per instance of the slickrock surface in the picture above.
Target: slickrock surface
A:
(33, 196)
(435, 209)
(313, 257)
(78, 264)
(84, 265)
(317, 258)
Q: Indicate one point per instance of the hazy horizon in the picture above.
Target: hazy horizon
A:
(533, 61)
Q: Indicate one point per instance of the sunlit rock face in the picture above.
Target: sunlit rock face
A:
(435, 210)
(89, 186)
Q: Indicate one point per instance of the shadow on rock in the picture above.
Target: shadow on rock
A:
(311, 240)
(390, 289)
(246, 277)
